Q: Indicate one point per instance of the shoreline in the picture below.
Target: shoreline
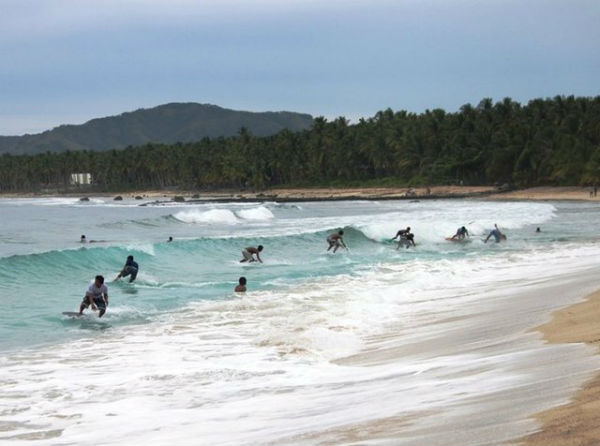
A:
(546, 193)
(577, 422)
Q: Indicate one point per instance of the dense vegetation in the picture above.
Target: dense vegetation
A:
(167, 124)
(551, 142)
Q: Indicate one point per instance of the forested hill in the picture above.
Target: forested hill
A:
(167, 124)
(545, 142)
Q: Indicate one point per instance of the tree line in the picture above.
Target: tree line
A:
(545, 142)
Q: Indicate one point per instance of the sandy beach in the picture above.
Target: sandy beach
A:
(546, 193)
(576, 423)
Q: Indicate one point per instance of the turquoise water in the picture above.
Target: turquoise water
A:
(44, 270)
(438, 334)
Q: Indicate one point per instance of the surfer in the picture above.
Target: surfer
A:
(401, 233)
(170, 240)
(336, 240)
(405, 238)
(461, 233)
(241, 288)
(96, 296)
(496, 234)
(538, 229)
(249, 252)
(83, 239)
(130, 269)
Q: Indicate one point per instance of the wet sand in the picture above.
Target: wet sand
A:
(329, 193)
(576, 423)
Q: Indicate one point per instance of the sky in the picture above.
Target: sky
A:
(68, 61)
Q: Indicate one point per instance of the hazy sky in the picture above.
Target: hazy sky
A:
(67, 61)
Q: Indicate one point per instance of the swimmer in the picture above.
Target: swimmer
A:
(241, 288)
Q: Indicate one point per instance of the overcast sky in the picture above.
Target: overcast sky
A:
(67, 61)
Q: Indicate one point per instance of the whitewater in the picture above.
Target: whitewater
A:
(371, 345)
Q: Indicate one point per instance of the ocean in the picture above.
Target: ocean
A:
(371, 345)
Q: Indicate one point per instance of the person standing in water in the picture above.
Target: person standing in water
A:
(241, 287)
(496, 234)
(131, 268)
(96, 296)
(249, 252)
(336, 240)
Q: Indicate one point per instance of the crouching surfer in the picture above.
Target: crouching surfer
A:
(96, 296)
(131, 269)
(336, 240)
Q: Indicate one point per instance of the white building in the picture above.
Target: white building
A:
(81, 179)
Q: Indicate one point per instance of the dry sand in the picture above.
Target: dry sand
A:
(576, 423)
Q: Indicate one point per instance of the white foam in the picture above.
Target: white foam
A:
(260, 213)
(212, 216)
(435, 221)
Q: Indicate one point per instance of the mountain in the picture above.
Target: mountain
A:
(168, 123)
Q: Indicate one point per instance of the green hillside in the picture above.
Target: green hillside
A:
(165, 124)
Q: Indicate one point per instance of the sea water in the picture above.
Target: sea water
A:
(368, 345)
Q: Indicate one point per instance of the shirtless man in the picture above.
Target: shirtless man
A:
(241, 287)
(461, 233)
(249, 252)
(336, 240)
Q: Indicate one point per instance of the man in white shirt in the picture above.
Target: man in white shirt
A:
(96, 296)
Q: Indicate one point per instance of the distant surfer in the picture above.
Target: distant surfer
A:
(461, 234)
(85, 240)
(538, 229)
(96, 296)
(336, 240)
(498, 236)
(131, 269)
(249, 253)
(405, 238)
(241, 287)
(170, 240)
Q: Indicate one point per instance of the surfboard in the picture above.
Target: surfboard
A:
(457, 240)
(72, 314)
